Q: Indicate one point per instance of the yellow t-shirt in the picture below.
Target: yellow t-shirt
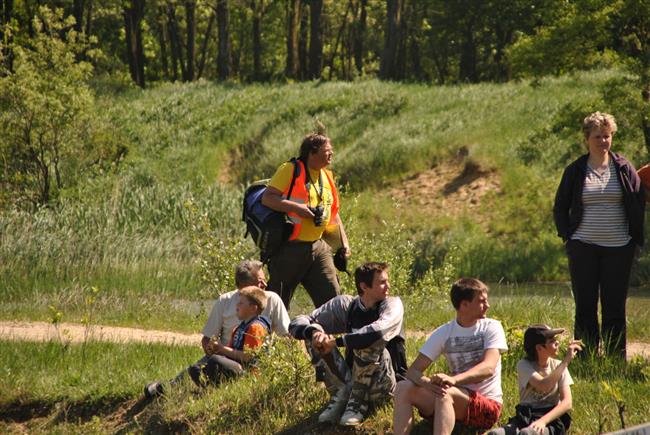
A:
(281, 180)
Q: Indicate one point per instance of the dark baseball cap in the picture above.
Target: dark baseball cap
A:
(538, 334)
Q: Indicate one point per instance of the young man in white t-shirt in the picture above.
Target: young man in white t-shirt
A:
(544, 385)
(472, 345)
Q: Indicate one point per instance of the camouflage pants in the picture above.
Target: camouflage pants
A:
(371, 380)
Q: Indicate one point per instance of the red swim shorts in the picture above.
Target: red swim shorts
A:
(481, 411)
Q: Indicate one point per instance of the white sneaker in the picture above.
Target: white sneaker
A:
(335, 407)
(354, 413)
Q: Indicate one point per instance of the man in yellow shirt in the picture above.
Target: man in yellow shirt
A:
(313, 207)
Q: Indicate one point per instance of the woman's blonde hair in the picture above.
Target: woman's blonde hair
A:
(598, 120)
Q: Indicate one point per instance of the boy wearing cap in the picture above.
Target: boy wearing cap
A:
(472, 345)
(544, 385)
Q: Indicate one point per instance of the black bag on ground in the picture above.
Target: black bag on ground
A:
(268, 228)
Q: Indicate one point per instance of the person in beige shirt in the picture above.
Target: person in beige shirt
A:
(544, 385)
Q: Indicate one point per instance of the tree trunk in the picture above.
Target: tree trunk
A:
(133, 15)
(339, 35)
(388, 67)
(360, 36)
(293, 24)
(257, 7)
(190, 17)
(467, 70)
(645, 116)
(89, 15)
(223, 54)
(162, 41)
(204, 46)
(315, 39)
(5, 18)
(304, 38)
(78, 14)
(176, 43)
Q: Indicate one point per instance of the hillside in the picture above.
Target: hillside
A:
(471, 167)
(437, 181)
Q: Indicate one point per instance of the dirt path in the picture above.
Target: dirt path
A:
(75, 333)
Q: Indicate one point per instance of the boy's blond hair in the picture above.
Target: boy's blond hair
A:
(256, 296)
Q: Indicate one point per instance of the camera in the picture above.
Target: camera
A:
(318, 215)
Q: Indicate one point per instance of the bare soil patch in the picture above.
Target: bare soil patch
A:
(450, 188)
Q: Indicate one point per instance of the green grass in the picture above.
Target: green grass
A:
(127, 228)
(97, 386)
(162, 229)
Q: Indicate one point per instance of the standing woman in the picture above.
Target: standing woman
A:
(598, 213)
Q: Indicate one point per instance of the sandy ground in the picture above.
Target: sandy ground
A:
(76, 333)
(448, 189)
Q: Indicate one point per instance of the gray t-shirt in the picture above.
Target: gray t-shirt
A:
(528, 395)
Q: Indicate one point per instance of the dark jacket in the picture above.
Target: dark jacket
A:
(527, 414)
(568, 208)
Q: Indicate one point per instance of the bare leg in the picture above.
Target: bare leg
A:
(408, 395)
(452, 404)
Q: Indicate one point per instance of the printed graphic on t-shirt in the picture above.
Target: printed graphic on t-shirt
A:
(463, 353)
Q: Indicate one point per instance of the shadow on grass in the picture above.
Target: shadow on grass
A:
(19, 411)
(22, 410)
(119, 413)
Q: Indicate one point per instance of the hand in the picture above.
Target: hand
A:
(303, 211)
(445, 380)
(323, 343)
(440, 383)
(538, 426)
(347, 251)
(217, 348)
(575, 346)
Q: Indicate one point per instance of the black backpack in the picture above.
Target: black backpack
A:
(268, 228)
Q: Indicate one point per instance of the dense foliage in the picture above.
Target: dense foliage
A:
(428, 40)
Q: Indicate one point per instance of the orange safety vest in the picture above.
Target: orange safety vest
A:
(300, 195)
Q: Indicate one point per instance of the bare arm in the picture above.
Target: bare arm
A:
(479, 372)
(229, 352)
(546, 384)
(344, 237)
(415, 372)
(272, 198)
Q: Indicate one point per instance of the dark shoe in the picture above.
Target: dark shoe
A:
(153, 389)
(197, 375)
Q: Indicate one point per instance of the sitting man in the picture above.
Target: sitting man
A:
(229, 361)
(373, 338)
(223, 317)
(472, 345)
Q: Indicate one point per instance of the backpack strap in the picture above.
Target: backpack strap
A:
(296, 172)
(264, 321)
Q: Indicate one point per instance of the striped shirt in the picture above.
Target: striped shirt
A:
(604, 221)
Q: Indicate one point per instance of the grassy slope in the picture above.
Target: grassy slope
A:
(127, 232)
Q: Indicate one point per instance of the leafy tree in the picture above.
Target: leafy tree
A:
(574, 37)
(631, 25)
(45, 104)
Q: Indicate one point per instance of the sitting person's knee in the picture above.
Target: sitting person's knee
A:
(403, 388)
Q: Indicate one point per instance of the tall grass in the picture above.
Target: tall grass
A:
(131, 230)
(71, 384)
